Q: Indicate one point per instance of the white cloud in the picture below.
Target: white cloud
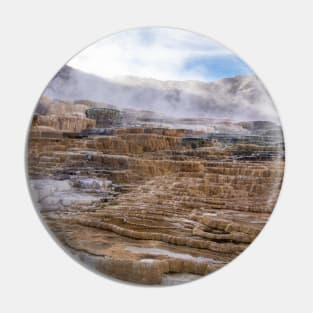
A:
(158, 53)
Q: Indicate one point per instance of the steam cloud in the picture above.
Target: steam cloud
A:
(236, 98)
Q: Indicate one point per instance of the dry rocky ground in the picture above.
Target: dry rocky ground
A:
(149, 204)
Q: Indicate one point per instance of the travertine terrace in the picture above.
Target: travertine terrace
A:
(149, 203)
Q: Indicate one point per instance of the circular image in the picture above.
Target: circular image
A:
(155, 156)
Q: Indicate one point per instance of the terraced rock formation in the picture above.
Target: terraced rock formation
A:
(153, 205)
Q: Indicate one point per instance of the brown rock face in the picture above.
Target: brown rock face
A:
(56, 115)
(61, 123)
(151, 205)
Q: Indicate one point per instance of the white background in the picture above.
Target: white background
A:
(275, 38)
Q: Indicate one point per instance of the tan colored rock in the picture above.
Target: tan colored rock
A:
(187, 211)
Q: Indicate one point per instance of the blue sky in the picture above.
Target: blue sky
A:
(160, 53)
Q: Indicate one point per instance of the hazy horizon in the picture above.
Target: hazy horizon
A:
(120, 78)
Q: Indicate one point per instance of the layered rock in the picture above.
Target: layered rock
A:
(150, 204)
(154, 205)
(55, 116)
(61, 123)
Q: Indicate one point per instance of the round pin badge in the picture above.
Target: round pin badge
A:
(155, 156)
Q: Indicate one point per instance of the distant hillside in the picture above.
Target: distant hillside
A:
(241, 97)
